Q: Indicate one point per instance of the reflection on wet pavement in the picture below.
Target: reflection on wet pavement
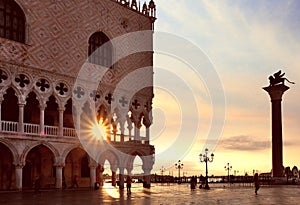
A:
(158, 194)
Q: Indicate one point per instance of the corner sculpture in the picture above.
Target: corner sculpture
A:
(278, 78)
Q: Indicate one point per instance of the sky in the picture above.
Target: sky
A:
(211, 61)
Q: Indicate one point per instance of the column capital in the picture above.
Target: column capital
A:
(276, 91)
(61, 109)
(59, 165)
(59, 162)
(21, 104)
(93, 164)
(43, 106)
(19, 165)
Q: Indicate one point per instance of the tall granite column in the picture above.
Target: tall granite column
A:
(276, 92)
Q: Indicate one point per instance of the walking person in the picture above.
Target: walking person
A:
(193, 182)
(256, 182)
(128, 184)
(37, 184)
(64, 184)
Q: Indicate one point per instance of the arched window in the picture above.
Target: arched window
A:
(100, 52)
(12, 21)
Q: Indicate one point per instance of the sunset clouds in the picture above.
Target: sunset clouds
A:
(246, 41)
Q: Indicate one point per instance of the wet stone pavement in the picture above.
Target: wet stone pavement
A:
(158, 195)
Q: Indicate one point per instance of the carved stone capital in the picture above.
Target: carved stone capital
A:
(276, 91)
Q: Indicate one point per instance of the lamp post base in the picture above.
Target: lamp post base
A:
(206, 186)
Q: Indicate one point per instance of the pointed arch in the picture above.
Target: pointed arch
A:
(51, 112)
(12, 149)
(77, 164)
(133, 155)
(69, 149)
(39, 160)
(10, 102)
(68, 114)
(6, 167)
(111, 157)
(31, 109)
(33, 145)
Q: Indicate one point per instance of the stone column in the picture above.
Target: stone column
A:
(93, 175)
(276, 92)
(93, 165)
(137, 132)
(137, 127)
(122, 129)
(21, 117)
(148, 162)
(78, 120)
(61, 122)
(42, 120)
(19, 175)
(147, 135)
(129, 127)
(129, 170)
(147, 121)
(59, 178)
(147, 178)
(121, 178)
(100, 172)
(113, 178)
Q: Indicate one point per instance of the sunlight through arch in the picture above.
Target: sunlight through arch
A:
(137, 166)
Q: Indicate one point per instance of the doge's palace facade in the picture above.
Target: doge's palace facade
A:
(66, 66)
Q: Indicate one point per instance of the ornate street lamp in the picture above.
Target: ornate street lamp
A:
(179, 166)
(228, 168)
(204, 158)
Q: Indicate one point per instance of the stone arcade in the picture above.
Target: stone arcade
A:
(43, 45)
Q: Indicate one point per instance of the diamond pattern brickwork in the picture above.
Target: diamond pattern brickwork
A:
(58, 32)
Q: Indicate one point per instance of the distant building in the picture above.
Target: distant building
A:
(43, 45)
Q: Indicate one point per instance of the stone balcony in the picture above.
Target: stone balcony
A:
(52, 132)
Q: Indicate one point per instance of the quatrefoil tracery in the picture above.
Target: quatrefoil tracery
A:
(3, 76)
(61, 88)
(22, 80)
(43, 85)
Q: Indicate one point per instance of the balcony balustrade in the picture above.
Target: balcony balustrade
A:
(53, 131)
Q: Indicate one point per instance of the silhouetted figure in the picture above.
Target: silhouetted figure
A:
(256, 182)
(202, 181)
(193, 182)
(128, 184)
(75, 182)
(64, 185)
(37, 185)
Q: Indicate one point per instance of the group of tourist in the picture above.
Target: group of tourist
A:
(193, 182)
(202, 182)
